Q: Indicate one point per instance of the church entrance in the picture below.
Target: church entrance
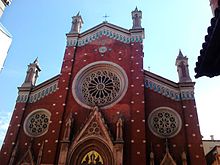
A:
(92, 152)
(92, 158)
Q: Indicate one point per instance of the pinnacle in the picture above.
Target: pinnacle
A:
(36, 61)
(136, 9)
(180, 53)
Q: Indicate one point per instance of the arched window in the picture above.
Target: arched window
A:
(92, 158)
(92, 151)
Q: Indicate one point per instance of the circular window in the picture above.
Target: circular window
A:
(164, 122)
(100, 84)
(36, 123)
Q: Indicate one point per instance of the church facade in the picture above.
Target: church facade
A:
(104, 108)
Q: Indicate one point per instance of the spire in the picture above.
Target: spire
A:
(78, 14)
(136, 9)
(184, 158)
(182, 68)
(40, 154)
(76, 23)
(68, 127)
(13, 155)
(151, 158)
(119, 130)
(180, 54)
(136, 17)
(32, 74)
(151, 155)
(36, 61)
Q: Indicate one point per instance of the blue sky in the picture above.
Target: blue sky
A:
(39, 27)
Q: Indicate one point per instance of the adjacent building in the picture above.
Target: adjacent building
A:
(208, 63)
(5, 36)
(3, 4)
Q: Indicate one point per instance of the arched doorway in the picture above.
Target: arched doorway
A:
(91, 152)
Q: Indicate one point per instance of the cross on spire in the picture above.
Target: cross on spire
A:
(105, 16)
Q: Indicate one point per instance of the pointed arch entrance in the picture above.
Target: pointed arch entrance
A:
(92, 151)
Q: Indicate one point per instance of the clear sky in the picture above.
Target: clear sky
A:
(39, 27)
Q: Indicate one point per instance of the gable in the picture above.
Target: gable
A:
(168, 160)
(108, 30)
(27, 159)
(93, 138)
(94, 127)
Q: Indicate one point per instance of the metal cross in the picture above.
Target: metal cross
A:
(105, 16)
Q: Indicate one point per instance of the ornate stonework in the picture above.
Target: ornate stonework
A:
(38, 94)
(100, 84)
(170, 90)
(164, 122)
(94, 144)
(117, 33)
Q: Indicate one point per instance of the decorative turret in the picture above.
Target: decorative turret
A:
(76, 24)
(32, 74)
(136, 17)
(182, 68)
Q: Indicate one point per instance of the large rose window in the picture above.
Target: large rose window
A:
(100, 84)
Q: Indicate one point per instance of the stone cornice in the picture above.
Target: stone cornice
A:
(38, 92)
(108, 30)
(170, 89)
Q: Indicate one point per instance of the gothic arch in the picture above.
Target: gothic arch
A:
(87, 145)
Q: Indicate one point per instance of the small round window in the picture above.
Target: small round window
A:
(164, 122)
(36, 123)
(100, 84)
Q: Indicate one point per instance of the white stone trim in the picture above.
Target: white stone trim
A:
(169, 91)
(38, 94)
(108, 32)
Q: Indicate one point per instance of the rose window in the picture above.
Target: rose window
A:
(36, 124)
(164, 122)
(100, 85)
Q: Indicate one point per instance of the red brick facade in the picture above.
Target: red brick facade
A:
(116, 135)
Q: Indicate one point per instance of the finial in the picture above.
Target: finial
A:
(180, 53)
(136, 9)
(96, 108)
(105, 16)
(36, 61)
(183, 155)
